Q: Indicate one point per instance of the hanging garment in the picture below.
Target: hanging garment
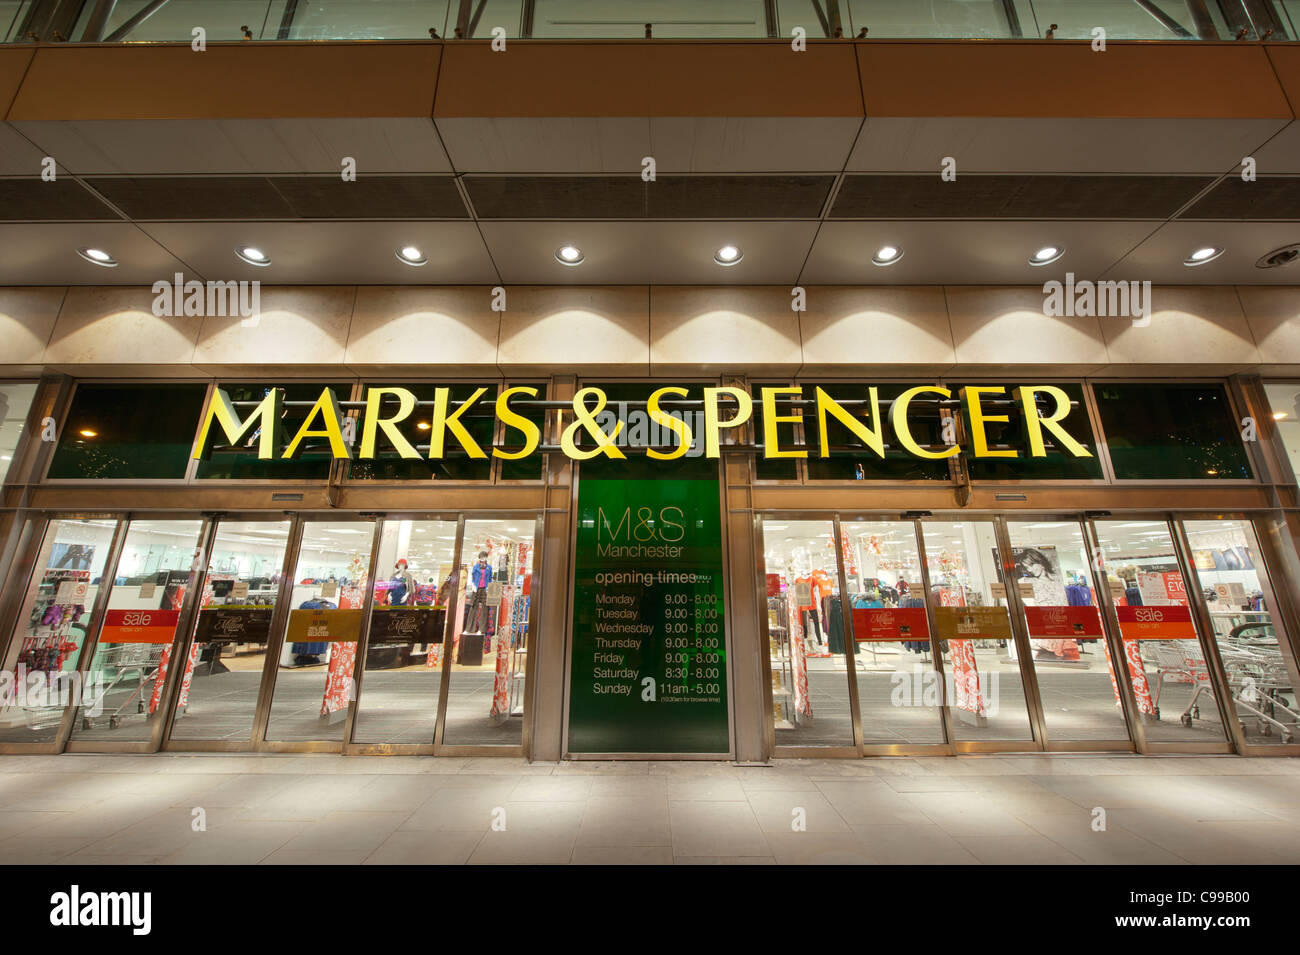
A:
(835, 624)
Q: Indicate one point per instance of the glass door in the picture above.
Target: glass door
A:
(226, 656)
(127, 669)
(313, 664)
(401, 681)
(1068, 649)
(811, 703)
(967, 576)
(899, 683)
(1165, 661)
(1232, 583)
(487, 644)
(40, 665)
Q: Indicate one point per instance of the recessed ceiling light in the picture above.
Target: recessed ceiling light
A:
(569, 255)
(887, 255)
(88, 433)
(253, 255)
(1201, 256)
(728, 255)
(422, 425)
(1279, 415)
(1046, 255)
(98, 257)
(410, 255)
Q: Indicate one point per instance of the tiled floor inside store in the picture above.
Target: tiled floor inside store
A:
(322, 809)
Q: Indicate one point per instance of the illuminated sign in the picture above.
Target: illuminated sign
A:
(724, 409)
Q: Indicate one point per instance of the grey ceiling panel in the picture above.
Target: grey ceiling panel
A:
(738, 197)
(1014, 197)
(557, 197)
(32, 199)
(199, 197)
(1267, 198)
(372, 197)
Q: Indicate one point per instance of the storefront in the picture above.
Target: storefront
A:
(695, 568)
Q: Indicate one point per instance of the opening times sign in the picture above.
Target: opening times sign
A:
(648, 670)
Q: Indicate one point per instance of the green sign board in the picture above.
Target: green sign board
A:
(649, 668)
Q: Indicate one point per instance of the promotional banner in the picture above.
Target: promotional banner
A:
(1078, 622)
(234, 625)
(890, 623)
(1156, 623)
(139, 626)
(648, 670)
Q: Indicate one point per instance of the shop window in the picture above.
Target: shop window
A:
(15, 401)
(848, 460)
(129, 431)
(1284, 402)
(1171, 431)
(456, 465)
(1058, 464)
(241, 463)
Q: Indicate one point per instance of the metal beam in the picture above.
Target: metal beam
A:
(126, 28)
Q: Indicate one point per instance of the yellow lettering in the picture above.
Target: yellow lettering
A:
(327, 407)
(443, 421)
(1034, 422)
(406, 404)
(512, 419)
(872, 438)
(898, 421)
(267, 417)
(976, 419)
(677, 427)
(745, 407)
(771, 441)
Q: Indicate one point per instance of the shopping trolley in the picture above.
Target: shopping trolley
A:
(1259, 680)
(121, 664)
(1179, 661)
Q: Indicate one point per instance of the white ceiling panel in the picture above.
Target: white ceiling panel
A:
(332, 253)
(45, 253)
(966, 253)
(1160, 258)
(648, 253)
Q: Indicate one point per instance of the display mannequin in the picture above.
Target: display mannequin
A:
(403, 589)
(476, 611)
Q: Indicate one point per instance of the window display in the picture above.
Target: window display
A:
(403, 672)
(225, 661)
(129, 663)
(1260, 668)
(1165, 662)
(490, 639)
(42, 657)
(985, 696)
(1072, 663)
(313, 684)
(805, 623)
(898, 686)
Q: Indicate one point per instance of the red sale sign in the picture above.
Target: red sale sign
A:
(1078, 622)
(890, 623)
(139, 626)
(1156, 623)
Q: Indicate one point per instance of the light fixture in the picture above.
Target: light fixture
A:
(1279, 415)
(253, 255)
(1046, 255)
(422, 425)
(887, 255)
(87, 433)
(569, 255)
(1206, 254)
(98, 257)
(728, 255)
(410, 255)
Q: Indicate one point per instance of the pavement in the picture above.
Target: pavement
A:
(328, 809)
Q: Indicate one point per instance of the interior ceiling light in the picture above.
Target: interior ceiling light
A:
(1203, 255)
(253, 255)
(98, 257)
(1279, 415)
(88, 433)
(728, 255)
(410, 255)
(1046, 255)
(887, 255)
(569, 255)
